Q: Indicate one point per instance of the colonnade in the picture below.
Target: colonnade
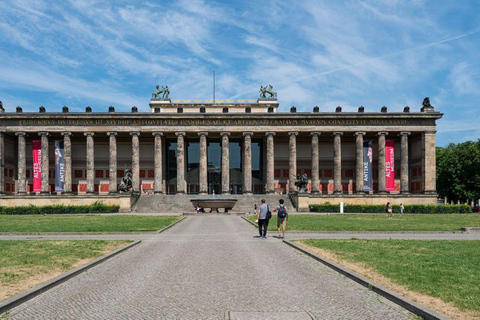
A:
(428, 147)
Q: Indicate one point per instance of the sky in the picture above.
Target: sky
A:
(369, 53)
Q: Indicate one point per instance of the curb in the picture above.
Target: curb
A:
(470, 229)
(411, 306)
(50, 284)
(170, 225)
(252, 223)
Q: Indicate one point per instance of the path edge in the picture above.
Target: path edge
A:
(252, 223)
(170, 225)
(24, 296)
(411, 306)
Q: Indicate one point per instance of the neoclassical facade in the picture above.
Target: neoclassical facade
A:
(227, 147)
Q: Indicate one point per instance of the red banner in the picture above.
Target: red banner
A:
(37, 165)
(389, 165)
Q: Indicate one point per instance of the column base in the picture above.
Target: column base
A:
(203, 193)
(405, 192)
(383, 193)
(430, 192)
(225, 192)
(315, 192)
(158, 192)
(270, 192)
(337, 192)
(23, 193)
(67, 193)
(248, 192)
(44, 193)
(91, 192)
(180, 192)
(360, 193)
(112, 193)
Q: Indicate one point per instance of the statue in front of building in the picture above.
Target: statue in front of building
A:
(164, 91)
(267, 89)
(302, 183)
(126, 184)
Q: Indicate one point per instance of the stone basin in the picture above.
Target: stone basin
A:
(214, 202)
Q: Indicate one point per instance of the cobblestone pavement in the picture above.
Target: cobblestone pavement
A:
(210, 268)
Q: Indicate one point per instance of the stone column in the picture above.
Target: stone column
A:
(247, 162)
(2, 162)
(337, 162)
(158, 162)
(202, 174)
(67, 145)
(45, 160)
(112, 183)
(404, 175)
(90, 163)
(315, 159)
(22, 164)
(180, 162)
(270, 162)
(292, 161)
(359, 164)
(225, 163)
(135, 162)
(428, 162)
(381, 163)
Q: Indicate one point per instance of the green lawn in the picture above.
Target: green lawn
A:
(378, 222)
(449, 270)
(25, 263)
(83, 223)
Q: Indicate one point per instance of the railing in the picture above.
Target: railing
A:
(216, 101)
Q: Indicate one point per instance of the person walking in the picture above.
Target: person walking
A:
(262, 219)
(401, 208)
(282, 218)
(389, 210)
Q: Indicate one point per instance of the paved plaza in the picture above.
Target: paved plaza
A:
(209, 267)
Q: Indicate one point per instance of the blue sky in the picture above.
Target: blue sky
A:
(324, 53)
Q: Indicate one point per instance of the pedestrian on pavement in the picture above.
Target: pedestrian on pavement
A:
(401, 208)
(282, 218)
(389, 210)
(262, 219)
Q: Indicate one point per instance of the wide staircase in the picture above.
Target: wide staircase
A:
(180, 203)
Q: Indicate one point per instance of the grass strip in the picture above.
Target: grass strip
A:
(368, 222)
(84, 223)
(448, 270)
(27, 263)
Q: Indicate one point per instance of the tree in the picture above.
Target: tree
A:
(458, 171)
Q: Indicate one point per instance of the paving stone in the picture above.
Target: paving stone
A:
(205, 268)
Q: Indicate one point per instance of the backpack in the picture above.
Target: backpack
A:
(282, 211)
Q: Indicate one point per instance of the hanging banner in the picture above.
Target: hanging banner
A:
(389, 165)
(37, 165)
(59, 166)
(367, 165)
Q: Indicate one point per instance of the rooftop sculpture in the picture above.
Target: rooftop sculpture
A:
(164, 91)
(267, 89)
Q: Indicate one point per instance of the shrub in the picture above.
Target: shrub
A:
(96, 207)
(417, 208)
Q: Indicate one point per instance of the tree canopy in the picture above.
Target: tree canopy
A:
(458, 171)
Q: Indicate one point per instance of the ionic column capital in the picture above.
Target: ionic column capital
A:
(270, 133)
(111, 133)
(91, 134)
(66, 133)
(315, 133)
(295, 133)
(157, 133)
(404, 133)
(43, 133)
(203, 133)
(337, 133)
(20, 133)
(248, 134)
(180, 134)
(224, 133)
(360, 133)
(382, 133)
(135, 133)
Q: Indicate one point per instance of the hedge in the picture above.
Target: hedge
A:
(355, 208)
(96, 207)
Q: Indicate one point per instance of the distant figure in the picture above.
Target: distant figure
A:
(262, 219)
(199, 209)
(282, 218)
(401, 208)
(389, 210)
(255, 208)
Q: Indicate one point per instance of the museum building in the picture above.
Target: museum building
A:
(224, 147)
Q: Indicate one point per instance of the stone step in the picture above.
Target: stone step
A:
(180, 203)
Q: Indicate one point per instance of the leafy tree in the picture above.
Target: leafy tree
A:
(458, 171)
